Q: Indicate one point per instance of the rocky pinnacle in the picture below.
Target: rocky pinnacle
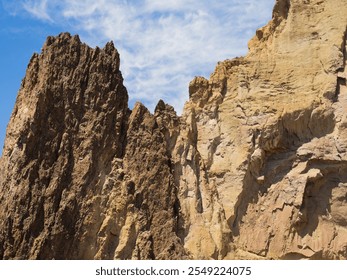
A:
(254, 168)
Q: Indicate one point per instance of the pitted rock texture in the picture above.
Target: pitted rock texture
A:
(255, 168)
(74, 184)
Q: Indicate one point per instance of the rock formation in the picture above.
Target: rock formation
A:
(255, 168)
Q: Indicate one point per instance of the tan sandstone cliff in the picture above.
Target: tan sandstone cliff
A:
(256, 166)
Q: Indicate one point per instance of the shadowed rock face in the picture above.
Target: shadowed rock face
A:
(74, 181)
(254, 168)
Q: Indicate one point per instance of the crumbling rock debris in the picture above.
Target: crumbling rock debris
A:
(255, 168)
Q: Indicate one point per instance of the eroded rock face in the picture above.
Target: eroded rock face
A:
(268, 133)
(74, 181)
(254, 168)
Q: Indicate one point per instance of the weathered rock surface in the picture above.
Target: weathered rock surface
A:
(256, 166)
(82, 176)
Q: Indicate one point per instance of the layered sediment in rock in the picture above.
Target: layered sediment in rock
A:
(254, 168)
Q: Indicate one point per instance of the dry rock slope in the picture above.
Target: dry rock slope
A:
(255, 168)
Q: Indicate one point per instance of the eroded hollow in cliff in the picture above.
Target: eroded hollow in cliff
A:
(279, 144)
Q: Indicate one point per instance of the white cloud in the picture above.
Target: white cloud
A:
(163, 44)
(38, 9)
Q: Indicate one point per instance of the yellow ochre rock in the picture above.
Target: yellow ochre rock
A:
(255, 168)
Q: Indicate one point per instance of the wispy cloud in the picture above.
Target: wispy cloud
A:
(38, 9)
(163, 44)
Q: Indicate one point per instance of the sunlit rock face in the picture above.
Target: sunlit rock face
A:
(255, 168)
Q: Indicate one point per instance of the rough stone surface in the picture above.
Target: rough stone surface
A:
(255, 168)
(82, 176)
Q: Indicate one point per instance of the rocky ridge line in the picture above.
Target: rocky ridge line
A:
(254, 168)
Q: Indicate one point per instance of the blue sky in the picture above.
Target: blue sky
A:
(163, 44)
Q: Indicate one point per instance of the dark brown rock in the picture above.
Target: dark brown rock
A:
(67, 142)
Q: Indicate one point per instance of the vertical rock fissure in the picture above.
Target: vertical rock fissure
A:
(341, 74)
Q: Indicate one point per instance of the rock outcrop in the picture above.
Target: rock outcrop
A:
(83, 177)
(255, 168)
